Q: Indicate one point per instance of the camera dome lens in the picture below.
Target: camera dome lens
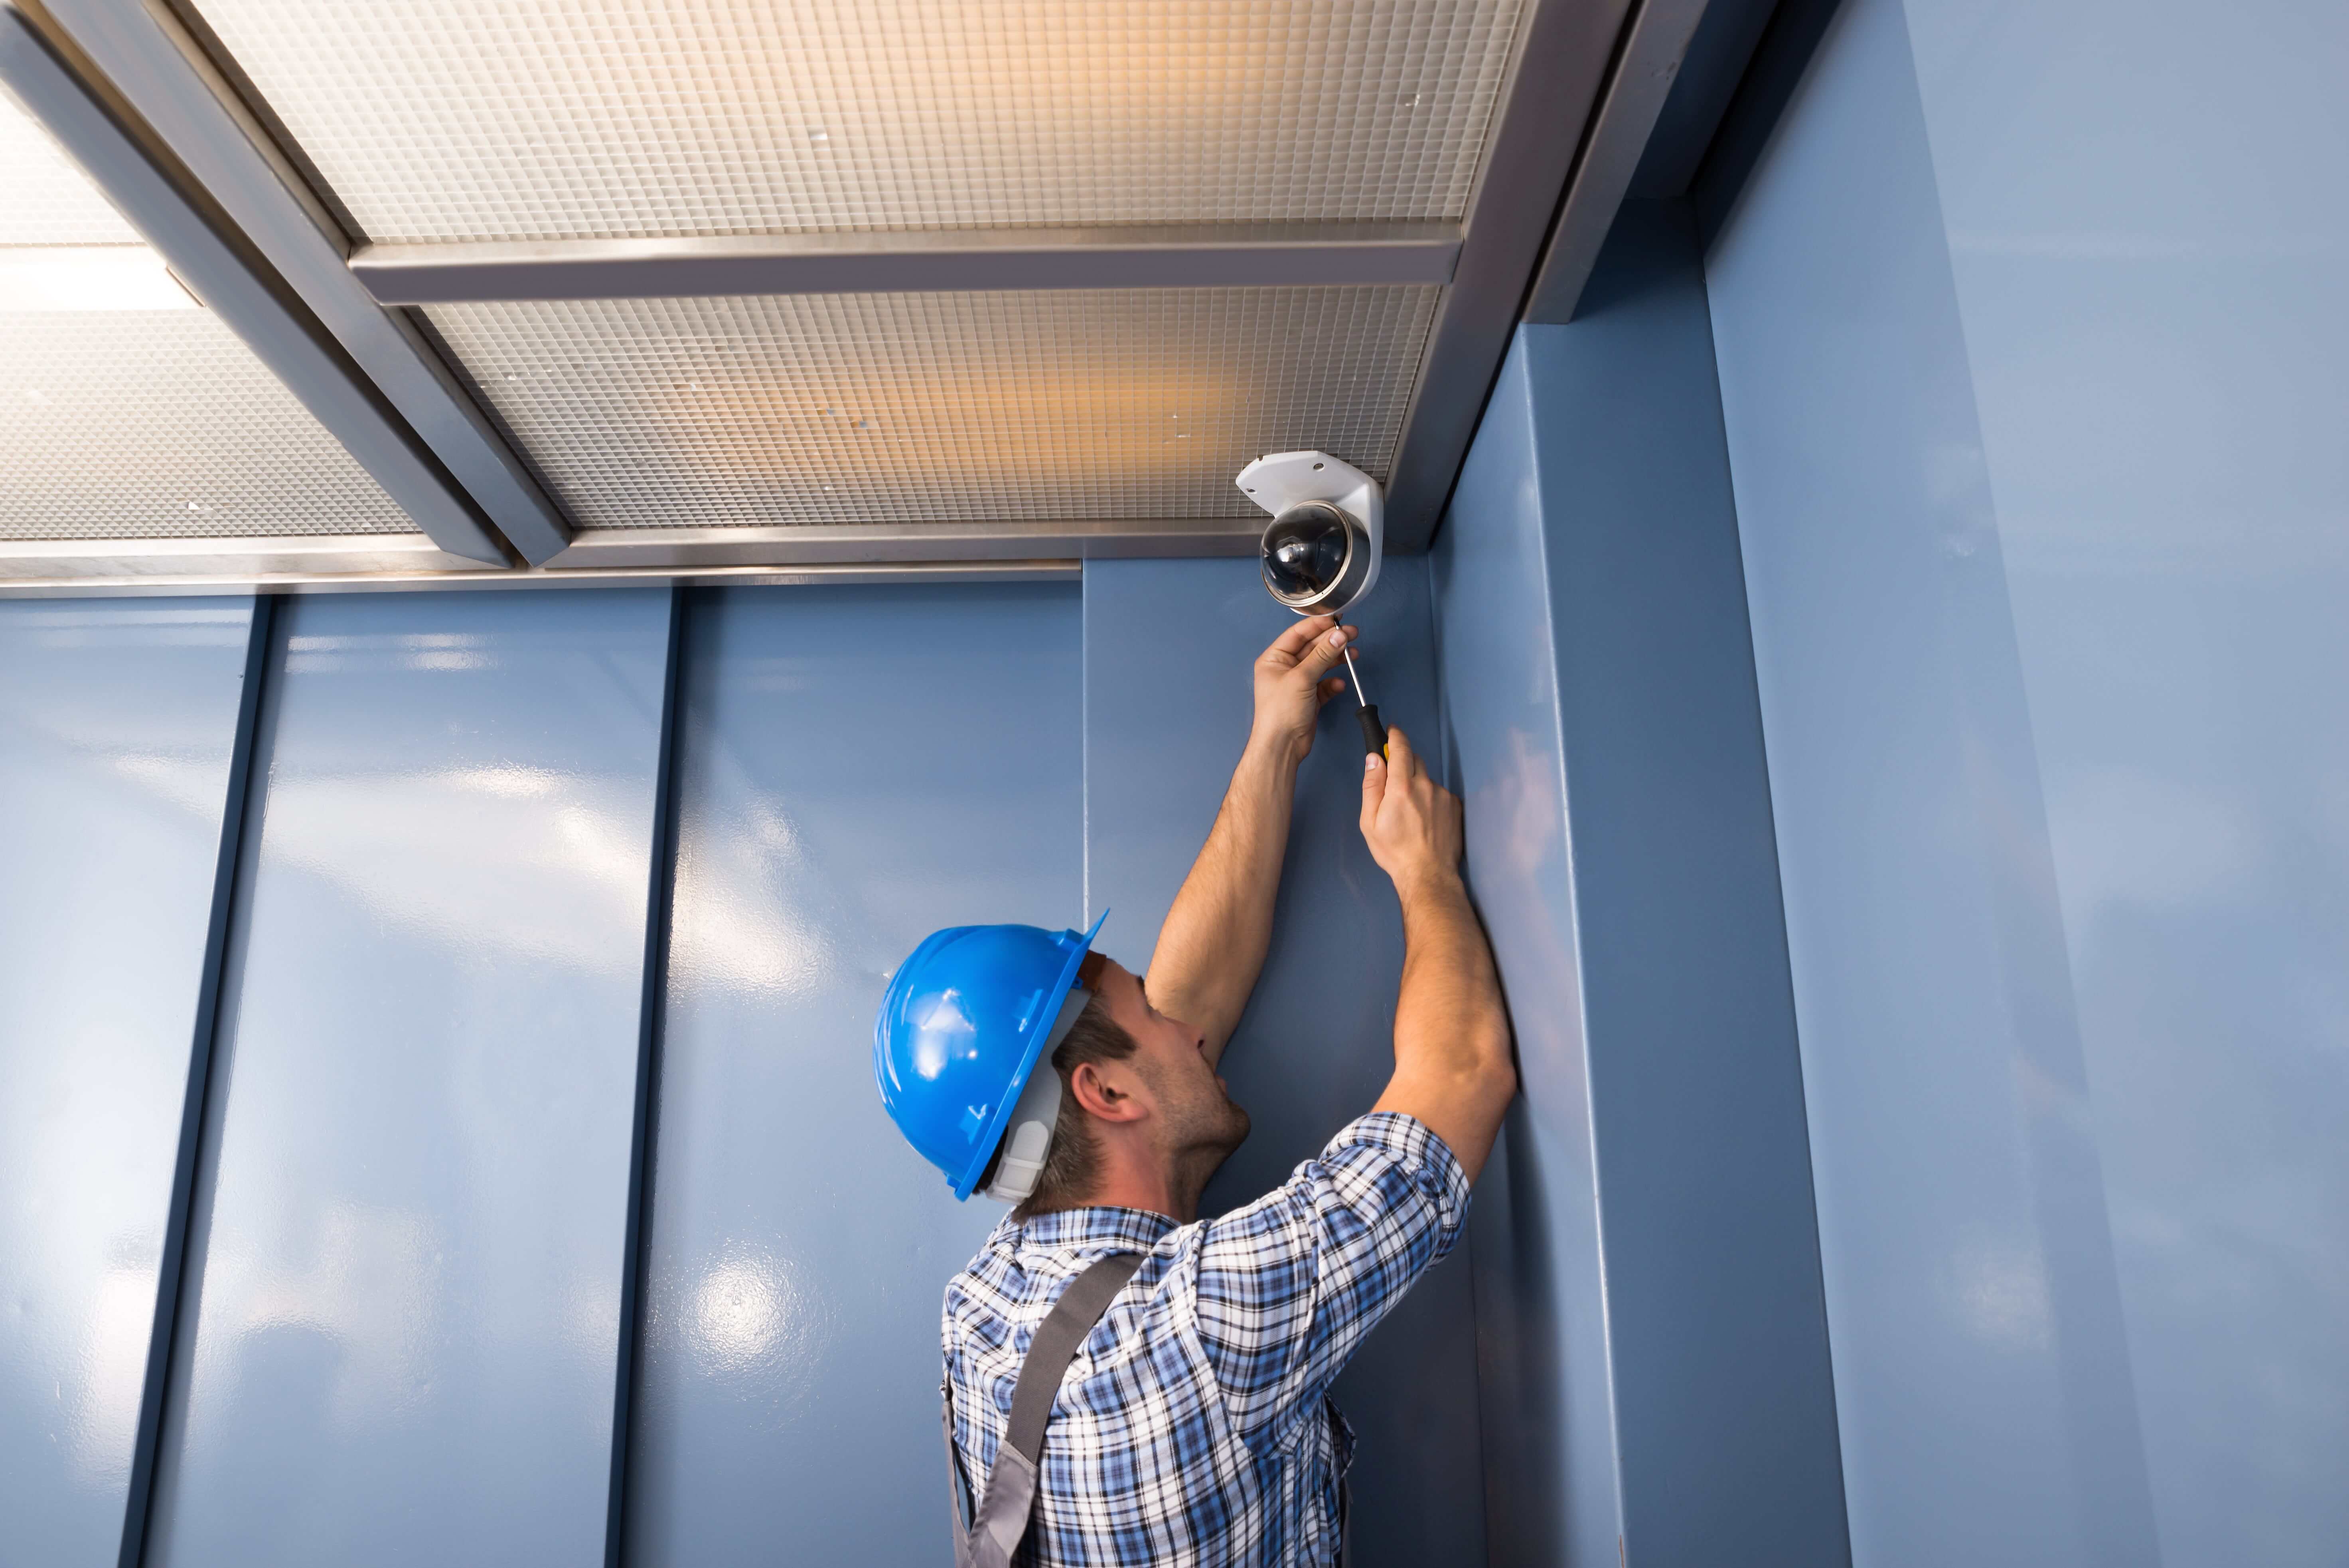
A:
(1305, 552)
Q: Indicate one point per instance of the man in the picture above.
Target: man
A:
(1125, 1383)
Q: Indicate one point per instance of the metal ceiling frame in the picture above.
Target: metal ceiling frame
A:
(210, 262)
(735, 545)
(1198, 255)
(237, 578)
(128, 561)
(1564, 50)
(144, 52)
(1600, 67)
(1643, 78)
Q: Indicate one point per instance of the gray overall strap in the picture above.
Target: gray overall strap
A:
(1010, 1494)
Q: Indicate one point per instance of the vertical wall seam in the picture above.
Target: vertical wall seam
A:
(246, 786)
(1548, 511)
(1447, 755)
(660, 898)
(1777, 881)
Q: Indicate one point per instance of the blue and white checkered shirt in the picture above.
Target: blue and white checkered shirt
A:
(1194, 1427)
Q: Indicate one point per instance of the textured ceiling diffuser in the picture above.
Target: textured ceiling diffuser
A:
(1023, 406)
(453, 120)
(126, 410)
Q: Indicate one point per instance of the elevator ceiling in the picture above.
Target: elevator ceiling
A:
(652, 287)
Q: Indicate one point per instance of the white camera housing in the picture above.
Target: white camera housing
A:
(1321, 549)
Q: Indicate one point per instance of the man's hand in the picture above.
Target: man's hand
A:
(1289, 684)
(1410, 822)
(1453, 1068)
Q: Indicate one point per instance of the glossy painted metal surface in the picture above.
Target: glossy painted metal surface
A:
(1723, 1396)
(858, 767)
(2146, 207)
(1984, 1391)
(1657, 1330)
(117, 724)
(1551, 1480)
(1168, 646)
(400, 1337)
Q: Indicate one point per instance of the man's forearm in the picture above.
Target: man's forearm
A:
(1453, 1066)
(1213, 945)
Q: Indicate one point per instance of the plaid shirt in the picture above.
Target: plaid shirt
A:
(1194, 1425)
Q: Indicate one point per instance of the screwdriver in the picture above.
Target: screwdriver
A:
(1374, 733)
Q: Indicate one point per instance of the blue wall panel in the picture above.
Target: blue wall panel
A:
(403, 1327)
(1955, 1172)
(2147, 219)
(117, 720)
(1724, 1397)
(1168, 649)
(1541, 1307)
(2032, 349)
(858, 767)
(1659, 1326)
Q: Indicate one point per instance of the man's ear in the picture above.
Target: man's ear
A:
(1103, 1095)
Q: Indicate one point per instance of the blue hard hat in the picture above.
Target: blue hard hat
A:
(961, 1027)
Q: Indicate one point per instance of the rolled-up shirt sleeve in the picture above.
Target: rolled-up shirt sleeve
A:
(1286, 1288)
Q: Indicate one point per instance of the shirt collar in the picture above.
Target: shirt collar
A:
(1105, 1229)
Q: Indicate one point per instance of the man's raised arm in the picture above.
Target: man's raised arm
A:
(1213, 944)
(1452, 1067)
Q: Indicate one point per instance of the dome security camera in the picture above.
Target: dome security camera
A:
(1322, 548)
(1329, 526)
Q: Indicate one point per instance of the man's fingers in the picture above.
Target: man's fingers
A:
(1324, 652)
(1375, 789)
(1291, 643)
(1399, 752)
(1333, 686)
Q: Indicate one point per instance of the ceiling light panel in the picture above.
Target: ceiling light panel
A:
(515, 119)
(45, 198)
(128, 411)
(910, 408)
(139, 424)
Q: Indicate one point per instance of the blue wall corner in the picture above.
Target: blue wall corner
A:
(1541, 1310)
(1600, 673)
(1169, 651)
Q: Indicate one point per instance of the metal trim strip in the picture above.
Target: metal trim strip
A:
(846, 543)
(1210, 256)
(324, 554)
(817, 574)
(178, 1277)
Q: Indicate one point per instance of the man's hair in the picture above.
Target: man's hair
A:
(1074, 1162)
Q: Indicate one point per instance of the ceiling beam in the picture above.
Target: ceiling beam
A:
(1203, 255)
(231, 580)
(163, 75)
(103, 562)
(1642, 79)
(786, 553)
(820, 543)
(238, 286)
(1561, 58)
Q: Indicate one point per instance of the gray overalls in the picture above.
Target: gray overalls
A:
(1004, 1508)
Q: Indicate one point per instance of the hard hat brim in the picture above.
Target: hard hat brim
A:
(1040, 1029)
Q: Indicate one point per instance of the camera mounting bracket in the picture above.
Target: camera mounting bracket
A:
(1287, 479)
